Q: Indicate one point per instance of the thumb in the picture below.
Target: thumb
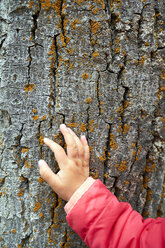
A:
(48, 175)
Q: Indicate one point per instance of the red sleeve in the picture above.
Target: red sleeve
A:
(104, 222)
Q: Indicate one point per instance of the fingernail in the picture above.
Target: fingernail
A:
(84, 137)
(46, 140)
(63, 126)
(40, 163)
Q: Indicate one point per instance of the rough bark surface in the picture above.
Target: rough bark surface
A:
(99, 67)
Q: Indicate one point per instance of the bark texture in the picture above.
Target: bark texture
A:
(99, 67)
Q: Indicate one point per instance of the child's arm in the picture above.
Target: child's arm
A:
(93, 211)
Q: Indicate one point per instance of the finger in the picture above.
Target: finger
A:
(59, 152)
(79, 144)
(72, 150)
(86, 151)
(49, 176)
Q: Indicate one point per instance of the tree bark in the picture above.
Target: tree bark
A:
(98, 67)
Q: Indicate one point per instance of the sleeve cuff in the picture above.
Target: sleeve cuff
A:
(78, 193)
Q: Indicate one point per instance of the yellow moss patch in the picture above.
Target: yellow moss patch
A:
(29, 87)
(85, 75)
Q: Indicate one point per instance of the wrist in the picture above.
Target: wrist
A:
(78, 193)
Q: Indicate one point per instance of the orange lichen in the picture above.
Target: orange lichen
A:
(103, 157)
(163, 89)
(73, 124)
(19, 246)
(13, 231)
(43, 117)
(85, 75)
(126, 104)
(127, 182)
(29, 87)
(20, 193)
(123, 166)
(133, 144)
(85, 55)
(163, 76)
(149, 193)
(133, 153)
(126, 128)
(142, 59)
(95, 54)
(95, 11)
(41, 215)
(113, 143)
(94, 26)
(88, 100)
(34, 111)
(117, 49)
(73, 24)
(27, 164)
(36, 117)
(28, 59)
(37, 206)
(45, 4)
(120, 128)
(83, 127)
(25, 150)
(120, 109)
(40, 180)
(41, 140)
(163, 119)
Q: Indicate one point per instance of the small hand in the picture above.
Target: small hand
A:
(74, 166)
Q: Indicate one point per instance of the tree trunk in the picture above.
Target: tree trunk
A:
(97, 66)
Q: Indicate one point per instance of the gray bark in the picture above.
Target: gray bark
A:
(97, 66)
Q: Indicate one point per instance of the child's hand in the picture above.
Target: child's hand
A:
(74, 167)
